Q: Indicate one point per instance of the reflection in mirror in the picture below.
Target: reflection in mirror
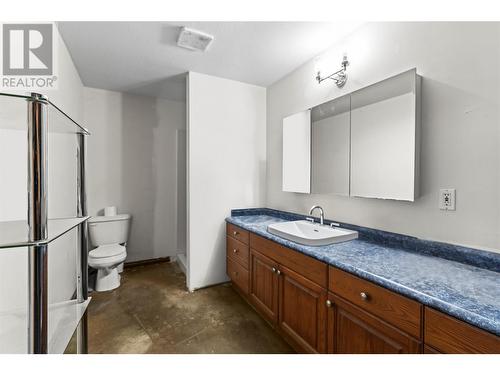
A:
(330, 146)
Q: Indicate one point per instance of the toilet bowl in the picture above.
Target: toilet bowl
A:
(108, 234)
(106, 259)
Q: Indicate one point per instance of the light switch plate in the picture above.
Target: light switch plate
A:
(447, 199)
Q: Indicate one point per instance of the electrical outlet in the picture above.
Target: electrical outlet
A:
(447, 199)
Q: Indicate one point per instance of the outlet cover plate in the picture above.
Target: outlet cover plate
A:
(447, 199)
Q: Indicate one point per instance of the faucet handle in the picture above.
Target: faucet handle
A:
(310, 219)
(335, 225)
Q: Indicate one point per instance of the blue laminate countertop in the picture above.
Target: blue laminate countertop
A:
(462, 290)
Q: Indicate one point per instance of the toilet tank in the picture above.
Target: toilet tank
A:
(104, 230)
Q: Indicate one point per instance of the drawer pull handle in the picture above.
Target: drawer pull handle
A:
(278, 272)
(235, 233)
(273, 269)
(235, 251)
(364, 296)
(328, 303)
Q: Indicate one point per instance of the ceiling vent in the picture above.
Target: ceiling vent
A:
(194, 40)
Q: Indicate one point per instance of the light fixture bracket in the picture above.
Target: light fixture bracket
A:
(339, 77)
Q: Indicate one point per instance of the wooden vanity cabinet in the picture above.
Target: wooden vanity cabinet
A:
(365, 318)
(352, 330)
(302, 311)
(321, 309)
(280, 290)
(237, 258)
(401, 312)
(264, 285)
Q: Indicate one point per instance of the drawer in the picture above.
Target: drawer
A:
(304, 265)
(237, 233)
(450, 335)
(238, 275)
(237, 251)
(391, 307)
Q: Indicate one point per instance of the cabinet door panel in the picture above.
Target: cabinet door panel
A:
(385, 138)
(354, 331)
(264, 285)
(302, 311)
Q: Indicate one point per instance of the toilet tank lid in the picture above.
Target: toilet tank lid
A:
(100, 219)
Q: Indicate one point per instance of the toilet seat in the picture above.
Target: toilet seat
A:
(106, 251)
(107, 255)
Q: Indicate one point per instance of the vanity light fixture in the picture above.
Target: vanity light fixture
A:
(339, 77)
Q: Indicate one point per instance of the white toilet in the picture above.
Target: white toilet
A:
(108, 234)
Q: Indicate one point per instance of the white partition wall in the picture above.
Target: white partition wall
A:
(226, 167)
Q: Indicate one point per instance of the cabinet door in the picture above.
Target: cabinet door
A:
(264, 285)
(330, 146)
(385, 123)
(302, 311)
(297, 152)
(354, 331)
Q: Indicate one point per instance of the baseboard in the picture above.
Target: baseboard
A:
(146, 262)
(182, 262)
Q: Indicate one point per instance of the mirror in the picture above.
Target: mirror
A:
(297, 152)
(364, 144)
(384, 143)
(330, 130)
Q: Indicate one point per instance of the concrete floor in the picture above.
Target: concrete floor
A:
(152, 312)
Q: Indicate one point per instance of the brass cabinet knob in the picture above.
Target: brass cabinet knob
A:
(278, 272)
(235, 251)
(235, 233)
(273, 269)
(328, 303)
(364, 296)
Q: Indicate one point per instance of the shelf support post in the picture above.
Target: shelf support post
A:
(82, 287)
(37, 223)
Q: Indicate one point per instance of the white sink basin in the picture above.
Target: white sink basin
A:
(307, 233)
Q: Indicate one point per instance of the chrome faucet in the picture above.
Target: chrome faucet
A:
(321, 213)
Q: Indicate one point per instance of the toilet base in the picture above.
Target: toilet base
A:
(107, 279)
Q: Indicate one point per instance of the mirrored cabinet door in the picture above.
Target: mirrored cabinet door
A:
(385, 139)
(297, 152)
(364, 144)
(330, 132)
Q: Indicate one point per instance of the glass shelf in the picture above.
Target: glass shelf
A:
(63, 321)
(13, 116)
(60, 122)
(15, 233)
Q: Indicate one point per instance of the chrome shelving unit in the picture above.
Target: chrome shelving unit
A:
(37, 232)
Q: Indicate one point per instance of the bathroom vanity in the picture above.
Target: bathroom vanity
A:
(317, 300)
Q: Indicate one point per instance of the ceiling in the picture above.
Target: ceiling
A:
(143, 57)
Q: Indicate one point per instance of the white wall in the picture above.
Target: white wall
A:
(61, 190)
(133, 164)
(226, 167)
(460, 127)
